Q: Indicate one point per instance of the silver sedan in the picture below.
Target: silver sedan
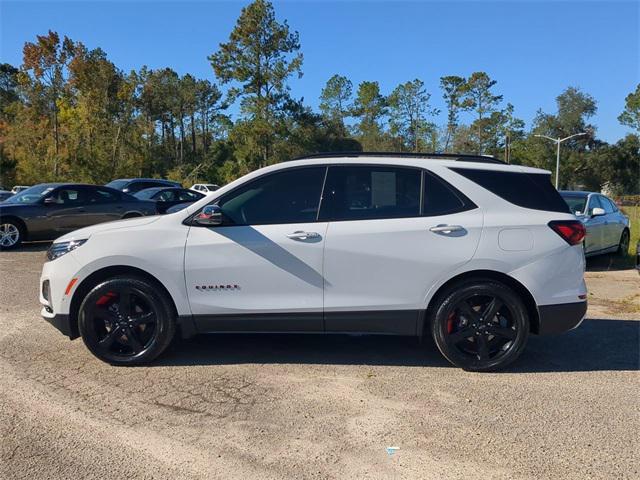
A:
(607, 227)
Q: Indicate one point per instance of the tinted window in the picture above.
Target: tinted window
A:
(187, 196)
(68, 196)
(137, 186)
(117, 184)
(528, 190)
(607, 204)
(99, 195)
(165, 196)
(440, 198)
(290, 196)
(576, 203)
(594, 202)
(369, 192)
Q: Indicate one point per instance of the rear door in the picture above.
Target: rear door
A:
(393, 233)
(102, 205)
(261, 269)
(613, 227)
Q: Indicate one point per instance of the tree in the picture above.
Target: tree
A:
(408, 111)
(631, 113)
(335, 101)
(478, 97)
(46, 61)
(453, 90)
(370, 107)
(260, 56)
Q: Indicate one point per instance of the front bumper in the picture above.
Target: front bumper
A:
(60, 321)
(560, 318)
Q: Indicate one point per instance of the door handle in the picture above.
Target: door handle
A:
(300, 235)
(446, 229)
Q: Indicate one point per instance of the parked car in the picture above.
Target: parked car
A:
(474, 252)
(19, 188)
(48, 210)
(4, 194)
(134, 185)
(607, 227)
(168, 197)
(205, 187)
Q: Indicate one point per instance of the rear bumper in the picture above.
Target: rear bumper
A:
(61, 322)
(561, 317)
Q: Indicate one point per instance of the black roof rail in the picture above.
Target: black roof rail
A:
(459, 157)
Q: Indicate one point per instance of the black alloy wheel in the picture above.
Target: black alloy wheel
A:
(481, 325)
(126, 321)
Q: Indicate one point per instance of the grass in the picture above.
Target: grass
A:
(634, 216)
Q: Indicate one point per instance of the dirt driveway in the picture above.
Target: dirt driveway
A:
(319, 407)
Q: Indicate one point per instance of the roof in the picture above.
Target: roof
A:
(459, 157)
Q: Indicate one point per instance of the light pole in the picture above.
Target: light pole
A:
(558, 141)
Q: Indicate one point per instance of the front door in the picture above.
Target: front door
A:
(261, 269)
(385, 247)
(65, 210)
(596, 238)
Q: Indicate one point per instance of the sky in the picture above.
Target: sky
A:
(534, 49)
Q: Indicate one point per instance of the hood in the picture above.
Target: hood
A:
(129, 223)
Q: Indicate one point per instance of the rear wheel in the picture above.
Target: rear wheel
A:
(126, 321)
(11, 234)
(623, 245)
(480, 325)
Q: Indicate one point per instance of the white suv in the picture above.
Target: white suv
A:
(477, 253)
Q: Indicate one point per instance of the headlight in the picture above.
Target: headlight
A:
(58, 249)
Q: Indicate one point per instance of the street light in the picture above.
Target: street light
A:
(558, 141)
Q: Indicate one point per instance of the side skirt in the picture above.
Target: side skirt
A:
(392, 322)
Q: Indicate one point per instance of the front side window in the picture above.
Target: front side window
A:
(594, 202)
(371, 192)
(607, 204)
(188, 196)
(68, 196)
(290, 196)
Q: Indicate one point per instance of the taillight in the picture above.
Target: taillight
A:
(571, 231)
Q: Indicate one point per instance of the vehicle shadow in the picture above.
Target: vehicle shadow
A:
(597, 345)
(610, 262)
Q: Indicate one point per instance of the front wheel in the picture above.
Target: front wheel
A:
(480, 325)
(126, 321)
(10, 234)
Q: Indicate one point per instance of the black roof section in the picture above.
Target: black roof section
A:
(444, 156)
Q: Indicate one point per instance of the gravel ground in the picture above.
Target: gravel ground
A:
(282, 406)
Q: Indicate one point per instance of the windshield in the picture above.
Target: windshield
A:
(31, 194)
(576, 203)
(146, 194)
(117, 184)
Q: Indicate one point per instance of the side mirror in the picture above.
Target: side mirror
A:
(210, 216)
(597, 211)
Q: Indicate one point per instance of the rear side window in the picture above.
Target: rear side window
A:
(528, 190)
(371, 192)
(440, 198)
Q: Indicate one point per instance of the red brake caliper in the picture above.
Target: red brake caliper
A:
(104, 299)
(450, 321)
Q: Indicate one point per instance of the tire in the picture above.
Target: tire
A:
(623, 245)
(11, 234)
(126, 321)
(466, 338)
